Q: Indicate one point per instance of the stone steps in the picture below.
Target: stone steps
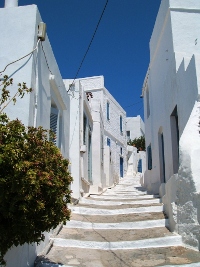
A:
(121, 198)
(123, 227)
(111, 212)
(118, 226)
(113, 235)
(118, 218)
(149, 257)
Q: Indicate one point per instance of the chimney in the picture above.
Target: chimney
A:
(11, 3)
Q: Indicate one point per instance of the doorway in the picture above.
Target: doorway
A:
(121, 167)
(90, 158)
(175, 139)
(161, 156)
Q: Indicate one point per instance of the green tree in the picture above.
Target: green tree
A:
(139, 143)
(34, 180)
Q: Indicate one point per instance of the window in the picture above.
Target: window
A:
(121, 150)
(108, 111)
(121, 130)
(149, 153)
(128, 134)
(84, 129)
(54, 124)
(147, 103)
(108, 141)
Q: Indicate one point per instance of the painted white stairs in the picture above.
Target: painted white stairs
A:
(122, 227)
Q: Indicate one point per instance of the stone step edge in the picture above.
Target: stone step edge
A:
(107, 212)
(118, 198)
(119, 203)
(169, 241)
(117, 226)
(197, 264)
(45, 264)
(48, 264)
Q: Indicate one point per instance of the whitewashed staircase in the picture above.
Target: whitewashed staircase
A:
(124, 226)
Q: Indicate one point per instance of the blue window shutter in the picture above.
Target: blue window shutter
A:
(140, 165)
(108, 141)
(108, 110)
(120, 123)
(149, 152)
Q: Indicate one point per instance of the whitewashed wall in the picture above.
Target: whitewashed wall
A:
(136, 127)
(132, 157)
(97, 147)
(172, 80)
(75, 135)
(18, 27)
(79, 107)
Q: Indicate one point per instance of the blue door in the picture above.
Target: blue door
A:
(140, 165)
(121, 167)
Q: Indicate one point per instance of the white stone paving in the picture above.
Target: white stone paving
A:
(47, 264)
(44, 264)
(118, 226)
(118, 203)
(128, 197)
(168, 241)
(103, 212)
(197, 264)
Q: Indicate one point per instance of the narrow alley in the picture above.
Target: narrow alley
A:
(123, 227)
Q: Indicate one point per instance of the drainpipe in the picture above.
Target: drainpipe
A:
(11, 3)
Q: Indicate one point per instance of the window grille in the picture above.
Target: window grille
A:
(54, 124)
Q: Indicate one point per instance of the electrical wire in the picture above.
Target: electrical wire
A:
(46, 59)
(133, 104)
(89, 45)
(140, 108)
(21, 57)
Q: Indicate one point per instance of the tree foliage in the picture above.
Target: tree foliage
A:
(34, 183)
(139, 143)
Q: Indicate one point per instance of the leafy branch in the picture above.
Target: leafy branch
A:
(5, 98)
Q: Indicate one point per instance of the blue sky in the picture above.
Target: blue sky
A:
(120, 50)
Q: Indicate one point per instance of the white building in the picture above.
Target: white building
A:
(98, 136)
(172, 115)
(134, 127)
(49, 101)
(81, 128)
(136, 159)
